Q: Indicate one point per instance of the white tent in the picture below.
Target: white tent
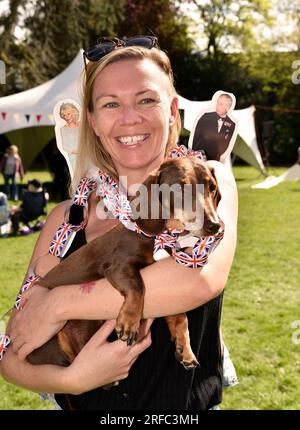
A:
(27, 119)
(292, 174)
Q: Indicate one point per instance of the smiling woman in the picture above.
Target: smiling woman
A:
(129, 124)
(131, 115)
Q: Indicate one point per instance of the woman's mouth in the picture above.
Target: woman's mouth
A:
(132, 140)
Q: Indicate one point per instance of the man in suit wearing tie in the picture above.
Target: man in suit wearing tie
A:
(214, 130)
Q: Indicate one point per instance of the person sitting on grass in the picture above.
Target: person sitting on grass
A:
(33, 206)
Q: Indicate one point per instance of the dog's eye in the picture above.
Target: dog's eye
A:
(212, 188)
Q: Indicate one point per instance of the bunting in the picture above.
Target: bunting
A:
(16, 116)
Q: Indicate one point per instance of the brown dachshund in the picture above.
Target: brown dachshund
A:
(119, 255)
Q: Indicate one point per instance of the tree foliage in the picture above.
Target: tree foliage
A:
(229, 25)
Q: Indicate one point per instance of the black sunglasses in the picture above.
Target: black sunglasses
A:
(105, 45)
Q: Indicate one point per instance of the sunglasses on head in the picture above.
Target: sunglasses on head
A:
(105, 45)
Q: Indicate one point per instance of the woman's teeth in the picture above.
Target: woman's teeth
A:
(132, 140)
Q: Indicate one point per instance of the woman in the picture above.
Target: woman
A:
(12, 167)
(130, 122)
(70, 131)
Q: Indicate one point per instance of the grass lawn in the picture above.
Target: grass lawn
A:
(42, 175)
(260, 303)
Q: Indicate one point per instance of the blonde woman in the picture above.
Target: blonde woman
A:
(70, 131)
(130, 121)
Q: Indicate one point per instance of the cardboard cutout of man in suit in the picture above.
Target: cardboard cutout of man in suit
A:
(214, 130)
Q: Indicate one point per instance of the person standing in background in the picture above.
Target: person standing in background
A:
(11, 167)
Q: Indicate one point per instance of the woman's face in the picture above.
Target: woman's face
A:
(132, 114)
(69, 115)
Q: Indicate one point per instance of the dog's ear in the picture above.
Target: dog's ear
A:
(146, 206)
(217, 195)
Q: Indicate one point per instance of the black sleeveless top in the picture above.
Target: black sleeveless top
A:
(157, 381)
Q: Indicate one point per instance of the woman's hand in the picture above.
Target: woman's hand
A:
(100, 362)
(34, 324)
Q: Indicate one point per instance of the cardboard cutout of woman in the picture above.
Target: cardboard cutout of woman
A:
(215, 130)
(67, 117)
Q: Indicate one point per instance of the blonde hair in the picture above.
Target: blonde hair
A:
(91, 152)
(69, 107)
(14, 149)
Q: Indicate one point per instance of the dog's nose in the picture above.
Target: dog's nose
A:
(211, 226)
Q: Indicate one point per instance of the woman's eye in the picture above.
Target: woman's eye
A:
(147, 101)
(110, 105)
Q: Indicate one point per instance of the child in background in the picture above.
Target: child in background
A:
(33, 205)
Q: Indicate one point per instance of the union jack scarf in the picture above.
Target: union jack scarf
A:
(64, 233)
(114, 200)
(119, 207)
(201, 250)
(28, 283)
(117, 204)
(4, 342)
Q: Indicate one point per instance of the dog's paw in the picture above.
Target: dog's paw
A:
(189, 365)
(186, 358)
(126, 333)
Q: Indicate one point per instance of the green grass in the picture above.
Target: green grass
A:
(42, 175)
(261, 299)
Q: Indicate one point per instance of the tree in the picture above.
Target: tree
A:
(288, 13)
(10, 51)
(230, 26)
(56, 31)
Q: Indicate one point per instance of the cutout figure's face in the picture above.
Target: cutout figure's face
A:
(223, 105)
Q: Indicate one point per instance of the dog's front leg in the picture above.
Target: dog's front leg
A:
(128, 281)
(178, 326)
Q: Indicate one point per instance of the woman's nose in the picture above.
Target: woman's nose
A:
(130, 115)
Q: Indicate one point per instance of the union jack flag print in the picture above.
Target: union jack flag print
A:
(202, 248)
(61, 238)
(193, 260)
(179, 151)
(84, 189)
(29, 281)
(122, 210)
(165, 240)
(4, 342)
(183, 151)
(108, 187)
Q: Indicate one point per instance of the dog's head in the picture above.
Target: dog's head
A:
(182, 194)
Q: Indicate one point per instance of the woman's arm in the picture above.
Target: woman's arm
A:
(85, 373)
(170, 288)
(98, 363)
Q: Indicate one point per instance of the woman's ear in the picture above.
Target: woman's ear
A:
(174, 110)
